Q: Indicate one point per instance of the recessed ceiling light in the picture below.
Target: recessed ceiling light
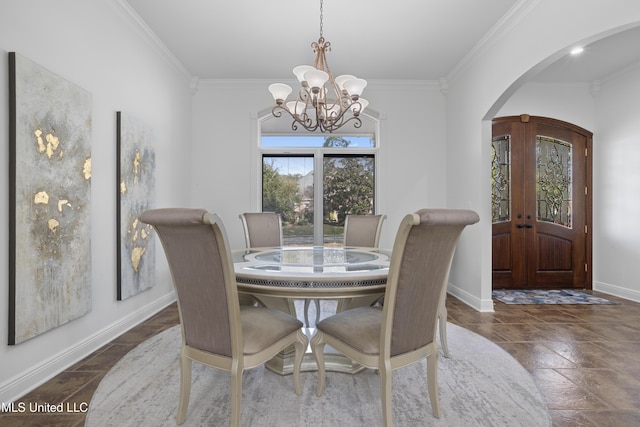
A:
(577, 50)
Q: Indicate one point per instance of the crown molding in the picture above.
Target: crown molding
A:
(141, 27)
(409, 85)
(507, 22)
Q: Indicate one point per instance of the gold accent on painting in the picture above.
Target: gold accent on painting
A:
(41, 146)
(86, 168)
(144, 234)
(41, 198)
(136, 256)
(52, 144)
(136, 166)
(62, 203)
(53, 224)
(123, 187)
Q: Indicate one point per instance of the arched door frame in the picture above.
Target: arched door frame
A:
(484, 296)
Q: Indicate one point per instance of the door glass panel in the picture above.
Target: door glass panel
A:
(553, 180)
(287, 188)
(501, 178)
(348, 189)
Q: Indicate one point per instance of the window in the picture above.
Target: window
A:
(313, 182)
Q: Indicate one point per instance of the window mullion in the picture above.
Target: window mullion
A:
(318, 191)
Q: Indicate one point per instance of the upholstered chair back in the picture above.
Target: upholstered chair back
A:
(419, 278)
(199, 259)
(363, 230)
(262, 229)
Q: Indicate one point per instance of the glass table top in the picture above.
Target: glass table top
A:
(314, 261)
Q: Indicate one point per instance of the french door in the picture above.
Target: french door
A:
(541, 204)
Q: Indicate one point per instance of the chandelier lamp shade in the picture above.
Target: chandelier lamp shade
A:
(322, 102)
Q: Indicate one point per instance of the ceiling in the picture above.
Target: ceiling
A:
(372, 39)
(392, 40)
(598, 61)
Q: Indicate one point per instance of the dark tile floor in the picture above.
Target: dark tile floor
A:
(585, 360)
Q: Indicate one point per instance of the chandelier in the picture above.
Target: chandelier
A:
(322, 102)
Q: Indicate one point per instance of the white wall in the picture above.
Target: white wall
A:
(617, 185)
(479, 87)
(569, 102)
(226, 164)
(100, 47)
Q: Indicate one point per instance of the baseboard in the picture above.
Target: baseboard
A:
(26, 381)
(471, 300)
(617, 291)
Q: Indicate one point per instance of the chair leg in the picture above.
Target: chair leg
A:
(432, 382)
(185, 388)
(317, 348)
(442, 323)
(236, 392)
(385, 391)
(300, 347)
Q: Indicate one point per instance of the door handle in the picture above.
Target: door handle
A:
(524, 225)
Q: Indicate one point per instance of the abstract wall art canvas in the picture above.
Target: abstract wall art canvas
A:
(136, 166)
(49, 200)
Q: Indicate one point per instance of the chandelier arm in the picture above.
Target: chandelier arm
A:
(332, 128)
(342, 120)
(357, 123)
(275, 111)
(304, 120)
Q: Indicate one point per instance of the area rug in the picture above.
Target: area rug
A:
(480, 385)
(563, 296)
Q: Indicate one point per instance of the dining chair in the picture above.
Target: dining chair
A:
(262, 229)
(216, 330)
(359, 231)
(403, 331)
(363, 230)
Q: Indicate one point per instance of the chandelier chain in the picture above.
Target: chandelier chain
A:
(321, 17)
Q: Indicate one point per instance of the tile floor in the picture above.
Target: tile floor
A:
(585, 360)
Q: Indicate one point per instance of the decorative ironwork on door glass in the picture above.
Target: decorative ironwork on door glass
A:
(501, 178)
(553, 180)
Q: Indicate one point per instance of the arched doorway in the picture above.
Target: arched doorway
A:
(541, 204)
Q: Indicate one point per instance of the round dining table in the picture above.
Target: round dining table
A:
(278, 275)
(312, 271)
